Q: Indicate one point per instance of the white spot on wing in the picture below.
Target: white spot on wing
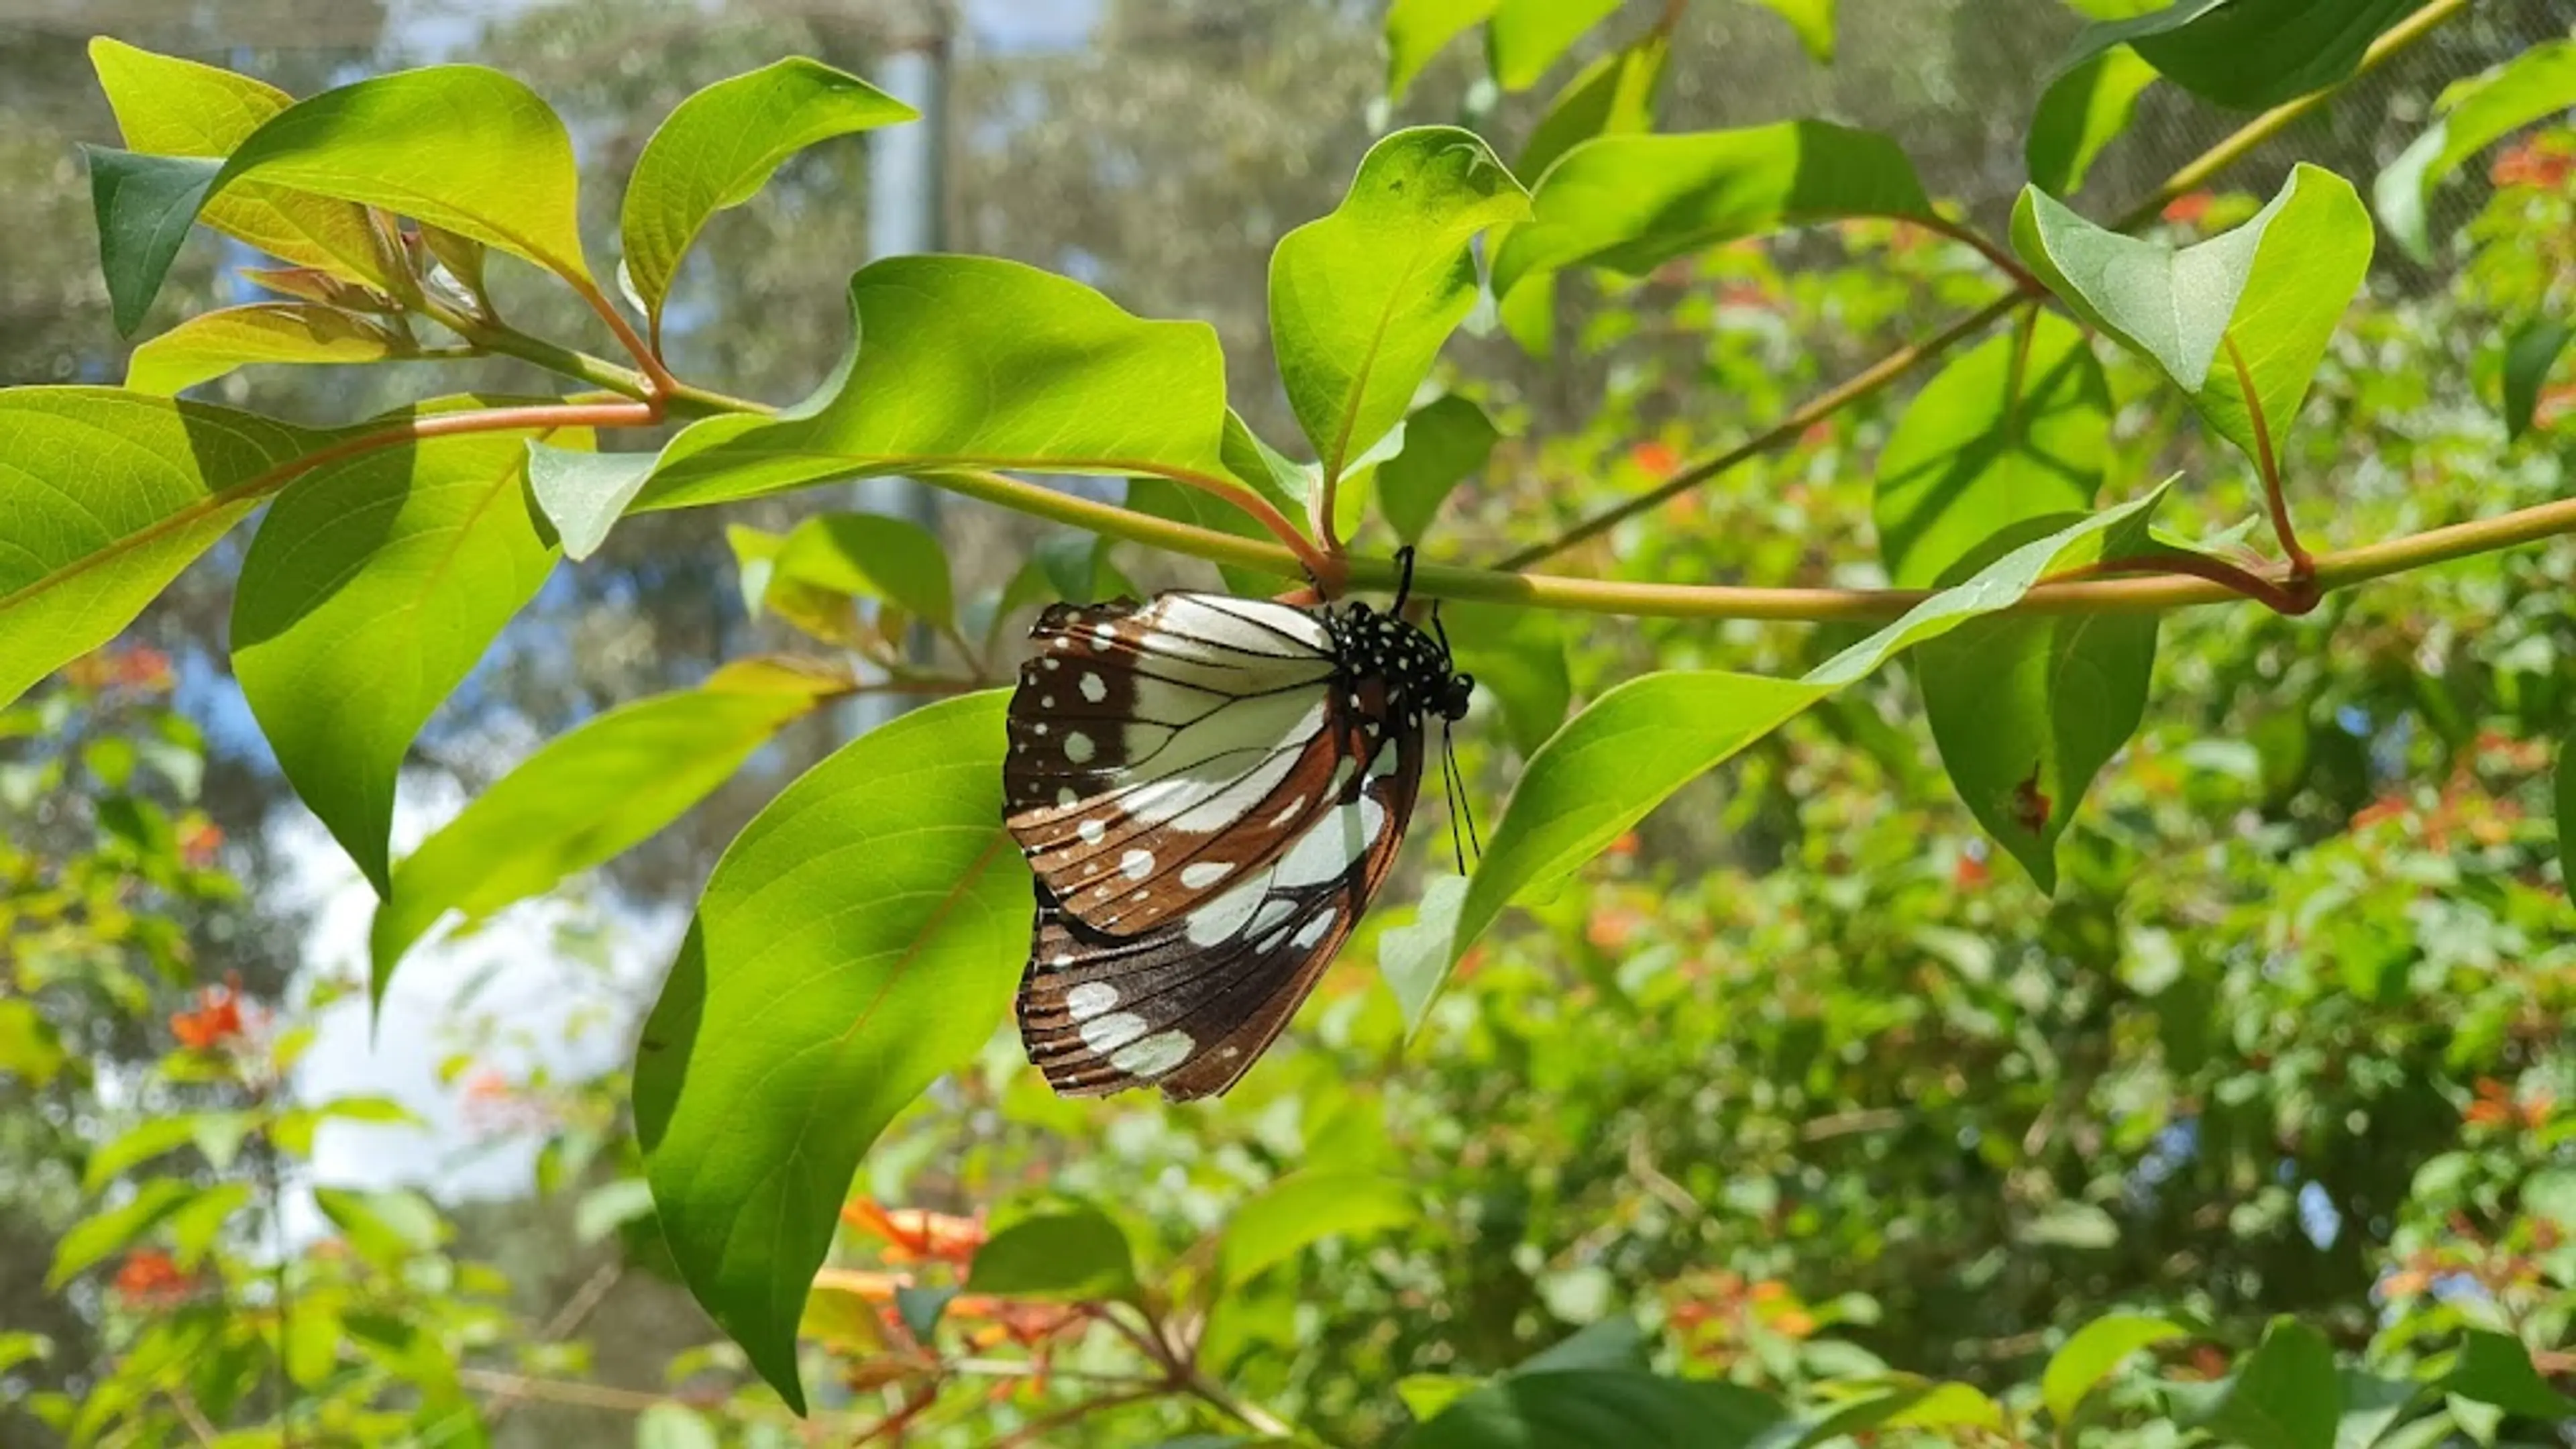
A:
(1313, 931)
(1090, 999)
(1154, 1055)
(1106, 1034)
(1093, 689)
(1077, 747)
(1136, 864)
(1200, 874)
(1326, 850)
(1091, 831)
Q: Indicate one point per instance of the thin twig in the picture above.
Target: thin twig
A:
(1037, 1430)
(2268, 463)
(663, 383)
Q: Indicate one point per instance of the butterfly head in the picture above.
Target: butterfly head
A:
(1454, 696)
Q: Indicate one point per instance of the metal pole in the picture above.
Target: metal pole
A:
(907, 202)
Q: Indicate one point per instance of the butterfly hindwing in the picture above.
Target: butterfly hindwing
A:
(1190, 1005)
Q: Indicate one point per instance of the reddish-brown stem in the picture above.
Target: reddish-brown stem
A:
(663, 383)
(2295, 597)
(1324, 564)
(1995, 252)
(2268, 463)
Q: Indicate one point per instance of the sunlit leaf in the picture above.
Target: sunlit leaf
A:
(386, 1228)
(1643, 740)
(2084, 109)
(1417, 30)
(582, 493)
(1615, 95)
(31, 1049)
(2088, 1357)
(109, 495)
(1589, 1408)
(1305, 1208)
(166, 106)
(1361, 300)
(2018, 427)
(2475, 114)
(720, 146)
(372, 590)
(586, 797)
(880, 894)
(973, 362)
(2496, 1368)
(1632, 203)
(211, 344)
(2249, 54)
(1445, 441)
(1527, 36)
(1071, 1255)
(103, 1234)
(872, 556)
(2529, 355)
(2285, 1394)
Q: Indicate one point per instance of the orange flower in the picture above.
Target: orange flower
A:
(150, 1278)
(1626, 844)
(1611, 927)
(143, 667)
(216, 1021)
(1656, 458)
(198, 842)
(2554, 403)
(2532, 163)
(915, 1235)
(2188, 208)
(1971, 872)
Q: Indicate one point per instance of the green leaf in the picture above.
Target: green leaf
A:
(18, 1348)
(871, 555)
(1304, 1208)
(211, 344)
(2065, 1224)
(610, 1206)
(880, 895)
(1632, 203)
(1589, 1408)
(1813, 20)
(1361, 300)
(2027, 710)
(2371, 1406)
(1518, 657)
(102, 1234)
(2083, 110)
(1414, 957)
(820, 613)
(145, 205)
(586, 797)
(2249, 54)
(1526, 36)
(372, 590)
(149, 1139)
(196, 1224)
(1425, 1395)
(973, 362)
(2087, 1358)
(166, 106)
(460, 147)
(1072, 1255)
(2018, 428)
(1643, 740)
(2286, 1394)
(582, 493)
(109, 495)
(720, 146)
(1615, 95)
(1417, 30)
(2274, 287)
(312, 1340)
(2528, 357)
(386, 1228)
(1613, 1343)
(2475, 114)
(921, 1308)
(674, 1426)
(1445, 440)
(30, 1049)
(2495, 1368)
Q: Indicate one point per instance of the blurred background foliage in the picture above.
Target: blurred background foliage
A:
(1801, 1076)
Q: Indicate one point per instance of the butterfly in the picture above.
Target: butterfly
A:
(1209, 790)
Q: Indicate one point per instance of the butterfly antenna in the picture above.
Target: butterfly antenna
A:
(1459, 803)
(1403, 577)
(1449, 786)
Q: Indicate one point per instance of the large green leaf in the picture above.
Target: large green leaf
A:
(1074, 1254)
(2286, 1394)
(1590, 1408)
(2017, 428)
(2496, 1368)
(460, 147)
(211, 344)
(1631, 203)
(1613, 96)
(583, 493)
(95, 1238)
(2087, 1358)
(1417, 30)
(973, 362)
(1303, 1209)
(144, 205)
(719, 147)
(166, 106)
(373, 588)
(2475, 113)
(2249, 54)
(2529, 354)
(861, 937)
(1527, 36)
(109, 495)
(2274, 288)
(1361, 300)
(586, 797)
(1518, 658)
(871, 556)
(2083, 110)
(1643, 740)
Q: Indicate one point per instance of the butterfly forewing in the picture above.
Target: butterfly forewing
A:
(1210, 790)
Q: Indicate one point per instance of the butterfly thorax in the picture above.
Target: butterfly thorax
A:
(1411, 672)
